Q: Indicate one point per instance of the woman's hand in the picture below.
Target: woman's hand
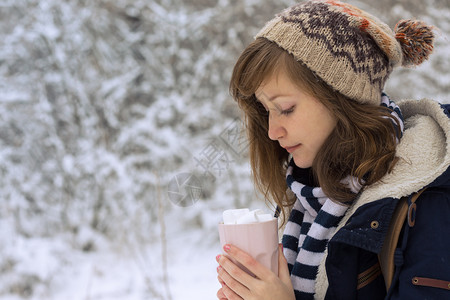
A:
(237, 284)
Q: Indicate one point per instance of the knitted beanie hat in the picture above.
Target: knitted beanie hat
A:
(351, 50)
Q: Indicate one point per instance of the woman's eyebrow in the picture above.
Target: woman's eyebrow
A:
(269, 98)
(258, 96)
(262, 96)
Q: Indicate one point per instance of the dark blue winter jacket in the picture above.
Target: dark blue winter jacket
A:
(350, 269)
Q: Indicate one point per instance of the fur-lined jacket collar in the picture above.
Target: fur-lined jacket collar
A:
(424, 153)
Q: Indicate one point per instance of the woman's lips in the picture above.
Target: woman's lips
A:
(292, 149)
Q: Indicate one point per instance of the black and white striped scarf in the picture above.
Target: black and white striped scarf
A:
(313, 221)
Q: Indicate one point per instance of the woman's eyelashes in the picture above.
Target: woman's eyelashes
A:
(288, 111)
(266, 110)
(279, 111)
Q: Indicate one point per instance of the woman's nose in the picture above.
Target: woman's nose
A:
(276, 130)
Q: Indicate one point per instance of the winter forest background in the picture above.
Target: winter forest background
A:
(120, 146)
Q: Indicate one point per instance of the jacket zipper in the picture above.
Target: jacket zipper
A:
(368, 276)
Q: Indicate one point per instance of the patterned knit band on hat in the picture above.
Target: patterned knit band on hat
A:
(349, 49)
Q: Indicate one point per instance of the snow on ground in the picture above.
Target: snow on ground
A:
(118, 275)
(193, 274)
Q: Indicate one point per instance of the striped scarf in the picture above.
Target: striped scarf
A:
(313, 221)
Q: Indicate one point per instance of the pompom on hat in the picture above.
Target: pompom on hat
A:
(350, 49)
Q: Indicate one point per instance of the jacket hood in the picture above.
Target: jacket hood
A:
(424, 159)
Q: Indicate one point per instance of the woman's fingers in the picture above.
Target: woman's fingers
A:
(234, 280)
(220, 294)
(246, 260)
(228, 294)
(238, 285)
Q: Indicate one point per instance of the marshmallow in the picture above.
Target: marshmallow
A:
(231, 215)
(245, 216)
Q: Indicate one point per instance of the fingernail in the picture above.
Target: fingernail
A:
(218, 269)
(226, 248)
(218, 257)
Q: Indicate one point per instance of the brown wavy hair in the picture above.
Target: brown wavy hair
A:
(362, 144)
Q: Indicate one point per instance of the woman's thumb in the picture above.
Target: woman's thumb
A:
(283, 270)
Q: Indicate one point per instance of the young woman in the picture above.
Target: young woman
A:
(336, 155)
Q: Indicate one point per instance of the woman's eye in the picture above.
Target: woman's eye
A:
(288, 111)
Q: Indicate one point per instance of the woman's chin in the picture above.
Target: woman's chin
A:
(301, 162)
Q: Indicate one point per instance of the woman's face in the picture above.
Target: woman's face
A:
(298, 121)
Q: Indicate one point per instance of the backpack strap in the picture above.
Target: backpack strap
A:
(406, 208)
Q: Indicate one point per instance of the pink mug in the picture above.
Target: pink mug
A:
(260, 240)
